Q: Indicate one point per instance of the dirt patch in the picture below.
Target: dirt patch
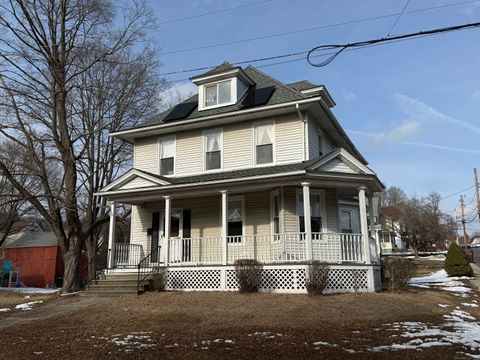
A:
(11, 299)
(241, 326)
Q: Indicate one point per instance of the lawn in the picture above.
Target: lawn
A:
(240, 326)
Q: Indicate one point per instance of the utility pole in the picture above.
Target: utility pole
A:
(465, 236)
(477, 194)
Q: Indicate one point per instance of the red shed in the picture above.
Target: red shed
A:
(39, 259)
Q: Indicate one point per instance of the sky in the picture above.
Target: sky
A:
(412, 108)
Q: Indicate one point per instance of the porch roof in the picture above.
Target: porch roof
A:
(321, 171)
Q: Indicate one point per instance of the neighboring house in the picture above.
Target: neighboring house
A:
(38, 258)
(390, 234)
(249, 168)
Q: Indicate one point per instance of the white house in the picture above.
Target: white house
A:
(249, 168)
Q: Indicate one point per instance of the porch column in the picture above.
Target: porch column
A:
(371, 217)
(307, 219)
(224, 226)
(166, 235)
(363, 222)
(111, 234)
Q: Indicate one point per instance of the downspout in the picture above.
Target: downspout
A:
(304, 131)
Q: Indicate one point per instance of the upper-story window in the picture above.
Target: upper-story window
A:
(213, 150)
(264, 144)
(167, 156)
(218, 94)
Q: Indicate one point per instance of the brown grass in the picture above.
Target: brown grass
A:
(11, 299)
(188, 318)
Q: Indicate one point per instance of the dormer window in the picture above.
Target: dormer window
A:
(218, 94)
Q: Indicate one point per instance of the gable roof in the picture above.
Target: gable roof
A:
(303, 85)
(224, 67)
(33, 239)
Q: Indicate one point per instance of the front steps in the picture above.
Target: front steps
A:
(115, 284)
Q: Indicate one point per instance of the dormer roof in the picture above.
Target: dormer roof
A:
(223, 71)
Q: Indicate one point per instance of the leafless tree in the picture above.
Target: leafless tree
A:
(51, 52)
(393, 196)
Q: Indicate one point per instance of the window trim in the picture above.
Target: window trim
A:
(203, 88)
(254, 142)
(274, 193)
(166, 138)
(204, 150)
(323, 207)
(240, 198)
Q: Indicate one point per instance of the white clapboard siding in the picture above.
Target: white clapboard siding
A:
(238, 146)
(313, 139)
(290, 209)
(289, 139)
(147, 154)
(189, 152)
(138, 182)
(332, 210)
(257, 213)
(141, 221)
(336, 165)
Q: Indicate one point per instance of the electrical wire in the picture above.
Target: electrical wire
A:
(456, 193)
(359, 44)
(398, 17)
(214, 12)
(320, 27)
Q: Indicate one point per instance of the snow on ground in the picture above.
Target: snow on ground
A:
(29, 290)
(5, 310)
(27, 306)
(134, 340)
(442, 281)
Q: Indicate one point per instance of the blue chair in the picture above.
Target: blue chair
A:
(7, 266)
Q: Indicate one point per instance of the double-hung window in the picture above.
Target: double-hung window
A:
(235, 220)
(218, 94)
(213, 150)
(264, 144)
(346, 221)
(315, 213)
(167, 156)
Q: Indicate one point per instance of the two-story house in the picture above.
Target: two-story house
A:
(248, 168)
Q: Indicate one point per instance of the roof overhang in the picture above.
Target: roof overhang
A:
(214, 120)
(238, 72)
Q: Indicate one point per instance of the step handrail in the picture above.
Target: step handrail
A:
(145, 268)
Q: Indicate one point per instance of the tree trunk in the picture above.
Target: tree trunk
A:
(71, 280)
(91, 245)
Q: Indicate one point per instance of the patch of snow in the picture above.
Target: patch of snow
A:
(442, 281)
(27, 306)
(134, 340)
(266, 334)
(470, 305)
(443, 305)
(5, 310)
(29, 290)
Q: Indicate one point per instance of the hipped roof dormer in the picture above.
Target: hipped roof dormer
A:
(222, 86)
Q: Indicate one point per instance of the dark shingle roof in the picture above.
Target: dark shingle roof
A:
(302, 85)
(226, 66)
(236, 174)
(282, 94)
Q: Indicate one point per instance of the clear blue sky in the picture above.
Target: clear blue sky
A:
(412, 108)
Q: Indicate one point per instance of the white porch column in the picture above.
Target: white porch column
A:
(307, 219)
(363, 222)
(371, 217)
(224, 226)
(166, 235)
(111, 234)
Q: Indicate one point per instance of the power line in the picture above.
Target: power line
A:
(349, 22)
(214, 12)
(458, 192)
(398, 18)
(360, 44)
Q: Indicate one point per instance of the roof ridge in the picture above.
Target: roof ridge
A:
(276, 81)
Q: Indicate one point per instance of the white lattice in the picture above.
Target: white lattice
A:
(343, 280)
(195, 279)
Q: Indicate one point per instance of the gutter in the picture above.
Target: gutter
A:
(212, 117)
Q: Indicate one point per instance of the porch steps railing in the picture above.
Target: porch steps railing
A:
(127, 255)
(146, 267)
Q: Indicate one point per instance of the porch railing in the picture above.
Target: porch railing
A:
(273, 248)
(127, 255)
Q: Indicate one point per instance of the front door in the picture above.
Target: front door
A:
(180, 229)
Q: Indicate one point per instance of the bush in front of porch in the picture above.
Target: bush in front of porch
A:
(317, 277)
(249, 275)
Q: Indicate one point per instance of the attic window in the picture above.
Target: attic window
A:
(218, 94)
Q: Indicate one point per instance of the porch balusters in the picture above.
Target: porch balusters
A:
(224, 226)
(362, 204)
(307, 220)
(111, 234)
(167, 229)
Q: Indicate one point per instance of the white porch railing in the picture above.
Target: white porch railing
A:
(127, 255)
(274, 248)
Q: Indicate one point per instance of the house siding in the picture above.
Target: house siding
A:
(146, 154)
(189, 152)
(137, 183)
(141, 220)
(289, 139)
(237, 146)
(337, 166)
(332, 210)
(313, 131)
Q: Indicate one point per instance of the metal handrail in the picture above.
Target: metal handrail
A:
(145, 268)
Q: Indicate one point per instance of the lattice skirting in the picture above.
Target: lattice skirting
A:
(275, 278)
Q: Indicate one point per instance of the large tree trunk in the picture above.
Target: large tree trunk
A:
(91, 245)
(71, 280)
